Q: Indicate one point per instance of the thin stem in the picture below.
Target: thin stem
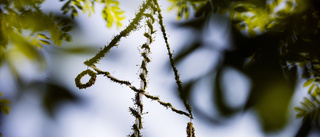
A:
(143, 92)
(124, 33)
(175, 70)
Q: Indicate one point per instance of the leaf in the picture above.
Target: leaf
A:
(308, 82)
(43, 36)
(44, 42)
(4, 101)
(62, 23)
(66, 6)
(5, 109)
(112, 13)
(310, 109)
(79, 6)
(74, 13)
(184, 7)
(67, 37)
(4, 105)
(66, 28)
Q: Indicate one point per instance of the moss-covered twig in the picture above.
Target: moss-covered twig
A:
(146, 94)
(175, 70)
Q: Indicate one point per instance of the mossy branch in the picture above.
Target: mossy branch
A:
(143, 92)
(124, 33)
(140, 92)
(175, 70)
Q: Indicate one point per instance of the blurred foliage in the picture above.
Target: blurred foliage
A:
(24, 30)
(111, 12)
(183, 6)
(4, 105)
(273, 40)
(54, 95)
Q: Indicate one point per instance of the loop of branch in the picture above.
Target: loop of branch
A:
(91, 81)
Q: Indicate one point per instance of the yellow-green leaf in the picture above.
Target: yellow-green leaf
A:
(43, 36)
(44, 42)
(308, 82)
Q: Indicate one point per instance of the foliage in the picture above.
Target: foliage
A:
(273, 40)
(4, 105)
(259, 18)
(111, 12)
(24, 29)
(183, 6)
(310, 110)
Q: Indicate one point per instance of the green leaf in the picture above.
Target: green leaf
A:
(67, 37)
(62, 23)
(5, 109)
(79, 6)
(66, 6)
(44, 42)
(4, 101)
(308, 82)
(66, 28)
(112, 13)
(74, 12)
(43, 36)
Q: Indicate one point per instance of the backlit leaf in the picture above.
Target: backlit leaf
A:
(308, 82)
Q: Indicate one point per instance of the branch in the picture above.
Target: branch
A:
(131, 27)
(154, 98)
(175, 70)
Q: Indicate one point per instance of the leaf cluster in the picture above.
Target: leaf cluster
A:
(271, 45)
(111, 11)
(184, 7)
(26, 28)
(310, 108)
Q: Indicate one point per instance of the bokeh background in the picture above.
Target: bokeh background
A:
(46, 103)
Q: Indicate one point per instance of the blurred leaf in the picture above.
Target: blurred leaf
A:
(309, 110)
(43, 36)
(272, 106)
(57, 95)
(112, 13)
(4, 105)
(25, 47)
(308, 82)
(67, 37)
(66, 28)
(184, 7)
(44, 42)
(186, 51)
(79, 50)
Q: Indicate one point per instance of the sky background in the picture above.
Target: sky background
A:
(104, 110)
